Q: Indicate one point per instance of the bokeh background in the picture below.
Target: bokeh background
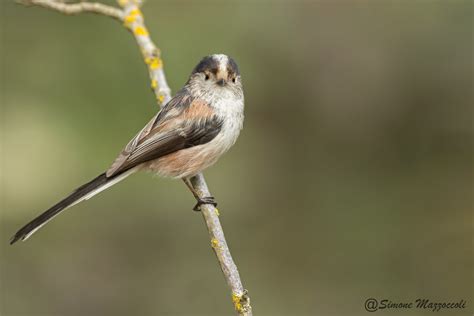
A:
(353, 177)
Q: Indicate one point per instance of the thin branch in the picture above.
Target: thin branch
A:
(76, 8)
(240, 296)
(133, 20)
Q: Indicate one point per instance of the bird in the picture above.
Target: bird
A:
(189, 134)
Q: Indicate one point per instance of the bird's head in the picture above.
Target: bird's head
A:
(216, 73)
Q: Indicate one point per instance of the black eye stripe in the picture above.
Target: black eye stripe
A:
(207, 63)
(211, 65)
(232, 67)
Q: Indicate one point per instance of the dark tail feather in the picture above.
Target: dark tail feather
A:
(74, 197)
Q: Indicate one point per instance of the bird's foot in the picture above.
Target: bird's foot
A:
(204, 200)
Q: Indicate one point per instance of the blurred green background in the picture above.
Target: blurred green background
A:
(353, 176)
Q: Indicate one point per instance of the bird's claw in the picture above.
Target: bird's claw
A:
(204, 200)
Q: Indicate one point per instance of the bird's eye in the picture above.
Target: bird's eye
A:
(233, 80)
(207, 77)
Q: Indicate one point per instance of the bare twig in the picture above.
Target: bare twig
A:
(76, 8)
(133, 20)
(218, 243)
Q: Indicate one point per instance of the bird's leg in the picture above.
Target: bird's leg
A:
(200, 201)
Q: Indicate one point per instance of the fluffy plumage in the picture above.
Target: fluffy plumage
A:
(199, 124)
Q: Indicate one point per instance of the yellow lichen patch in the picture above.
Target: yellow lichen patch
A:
(217, 212)
(161, 98)
(237, 300)
(141, 31)
(214, 243)
(135, 12)
(129, 19)
(154, 84)
(156, 63)
(132, 17)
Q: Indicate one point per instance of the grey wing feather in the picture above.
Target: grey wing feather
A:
(161, 144)
(131, 146)
(152, 142)
(179, 101)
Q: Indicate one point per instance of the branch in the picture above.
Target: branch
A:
(135, 22)
(219, 245)
(132, 18)
(76, 8)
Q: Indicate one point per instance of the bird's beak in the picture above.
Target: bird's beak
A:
(221, 77)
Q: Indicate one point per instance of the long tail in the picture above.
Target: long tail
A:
(82, 193)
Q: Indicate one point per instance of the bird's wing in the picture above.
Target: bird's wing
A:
(184, 122)
(180, 101)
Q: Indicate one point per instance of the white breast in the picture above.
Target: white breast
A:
(232, 112)
(189, 162)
